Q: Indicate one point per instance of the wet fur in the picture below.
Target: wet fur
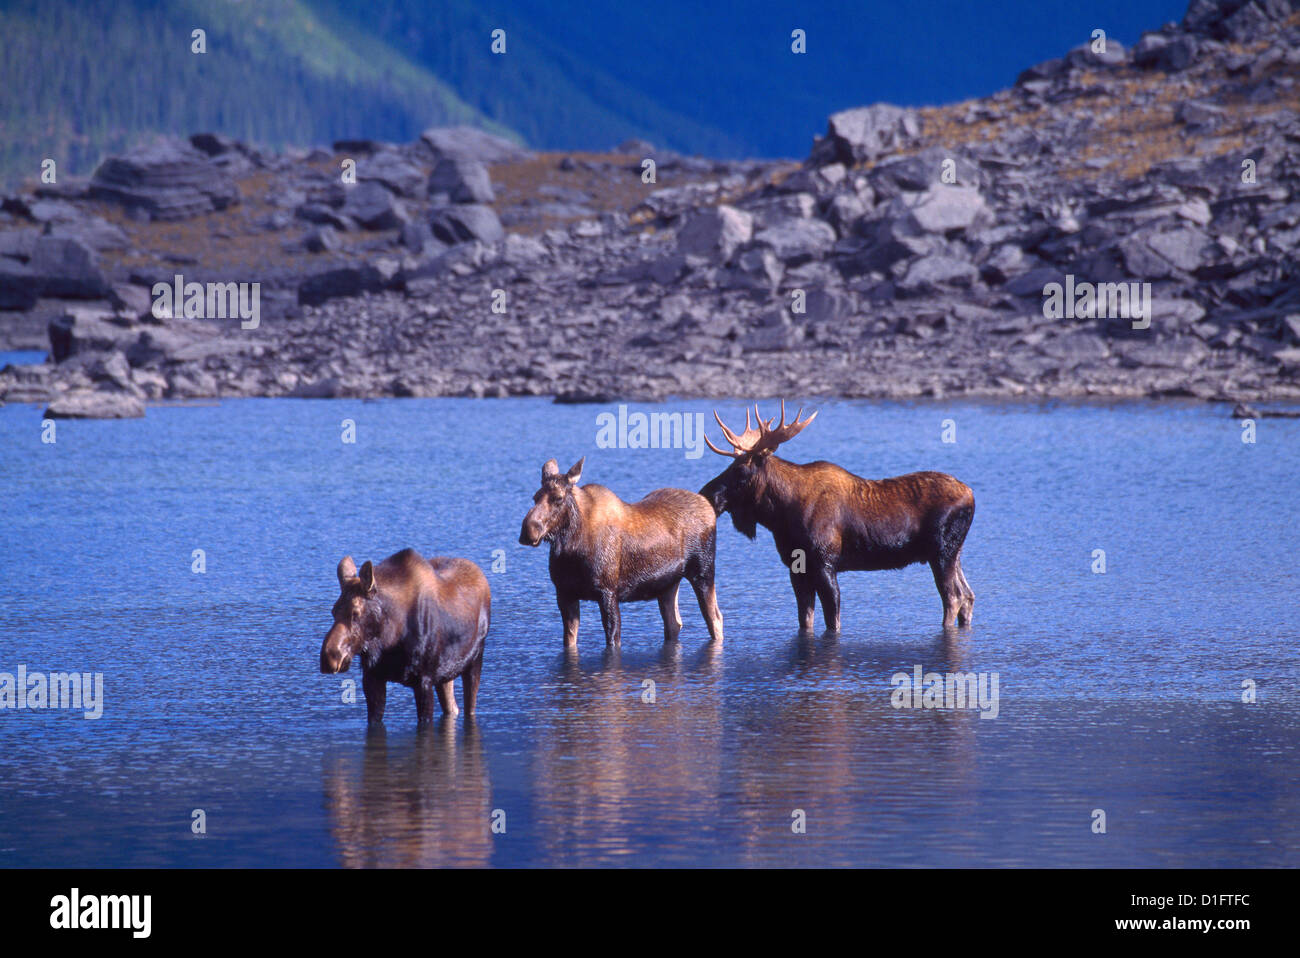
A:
(610, 551)
(843, 522)
(424, 627)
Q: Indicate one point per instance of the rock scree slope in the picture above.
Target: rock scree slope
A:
(910, 254)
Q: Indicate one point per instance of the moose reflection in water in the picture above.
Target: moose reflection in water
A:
(424, 801)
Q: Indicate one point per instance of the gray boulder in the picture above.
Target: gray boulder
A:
(797, 241)
(1157, 51)
(157, 345)
(395, 174)
(1075, 348)
(371, 205)
(1179, 352)
(1082, 57)
(756, 268)
(80, 331)
(19, 286)
(95, 404)
(330, 387)
(108, 370)
(844, 210)
(1041, 72)
(1199, 116)
(944, 209)
(325, 216)
(826, 306)
(715, 232)
(925, 274)
(1032, 282)
(18, 244)
(465, 222)
(321, 239)
(887, 242)
(1141, 260)
(53, 211)
(339, 281)
(1184, 248)
(865, 133)
(521, 250)
(94, 232)
(814, 180)
(214, 144)
(922, 171)
(461, 180)
(1006, 261)
(465, 142)
(416, 235)
(65, 266)
(774, 333)
(1247, 23)
(166, 179)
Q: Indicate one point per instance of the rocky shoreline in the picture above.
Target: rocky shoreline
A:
(909, 255)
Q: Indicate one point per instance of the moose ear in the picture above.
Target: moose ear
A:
(368, 578)
(347, 570)
(575, 471)
(552, 468)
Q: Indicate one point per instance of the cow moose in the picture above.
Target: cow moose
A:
(610, 551)
(835, 521)
(411, 620)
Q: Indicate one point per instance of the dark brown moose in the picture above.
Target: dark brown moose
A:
(610, 551)
(835, 521)
(411, 620)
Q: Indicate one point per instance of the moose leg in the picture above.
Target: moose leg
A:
(672, 615)
(469, 681)
(828, 590)
(424, 701)
(966, 610)
(947, 579)
(447, 697)
(954, 588)
(610, 618)
(707, 595)
(571, 612)
(805, 594)
(376, 693)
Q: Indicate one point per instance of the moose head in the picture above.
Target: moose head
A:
(552, 503)
(352, 613)
(744, 485)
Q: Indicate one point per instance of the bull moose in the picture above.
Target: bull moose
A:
(415, 621)
(610, 551)
(836, 521)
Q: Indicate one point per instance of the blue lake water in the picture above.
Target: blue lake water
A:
(22, 357)
(1119, 692)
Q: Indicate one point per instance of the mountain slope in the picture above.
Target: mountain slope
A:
(546, 87)
(720, 79)
(81, 79)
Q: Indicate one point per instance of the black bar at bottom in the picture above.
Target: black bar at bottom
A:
(208, 907)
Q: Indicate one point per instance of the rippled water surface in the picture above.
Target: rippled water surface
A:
(1119, 691)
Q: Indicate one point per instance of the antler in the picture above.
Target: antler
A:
(764, 438)
(771, 438)
(741, 444)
